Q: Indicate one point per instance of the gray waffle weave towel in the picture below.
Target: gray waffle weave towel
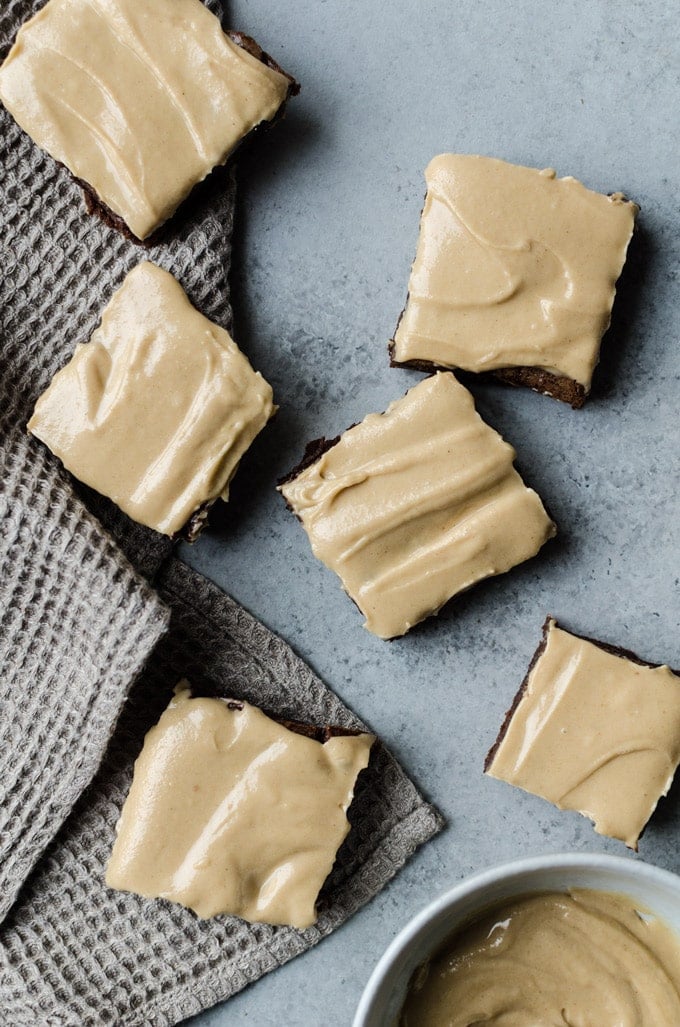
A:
(78, 622)
(75, 953)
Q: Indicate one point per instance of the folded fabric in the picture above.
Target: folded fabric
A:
(73, 952)
(76, 624)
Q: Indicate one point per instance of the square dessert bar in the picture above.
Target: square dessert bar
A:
(413, 506)
(595, 729)
(233, 812)
(140, 99)
(515, 273)
(156, 411)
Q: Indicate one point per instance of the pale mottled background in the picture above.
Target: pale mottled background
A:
(327, 227)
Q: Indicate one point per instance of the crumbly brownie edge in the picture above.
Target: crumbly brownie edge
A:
(567, 390)
(196, 523)
(556, 386)
(426, 366)
(314, 450)
(490, 756)
(96, 206)
(320, 733)
(255, 50)
(613, 650)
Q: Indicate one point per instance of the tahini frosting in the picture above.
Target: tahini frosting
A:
(231, 812)
(139, 98)
(514, 268)
(580, 959)
(594, 732)
(416, 504)
(158, 408)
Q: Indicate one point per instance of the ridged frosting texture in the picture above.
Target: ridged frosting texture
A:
(139, 98)
(594, 732)
(585, 958)
(158, 408)
(416, 504)
(232, 812)
(514, 268)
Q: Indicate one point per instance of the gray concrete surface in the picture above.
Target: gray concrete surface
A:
(328, 220)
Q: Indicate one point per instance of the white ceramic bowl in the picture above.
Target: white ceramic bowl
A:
(654, 889)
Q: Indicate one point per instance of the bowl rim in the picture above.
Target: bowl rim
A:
(626, 866)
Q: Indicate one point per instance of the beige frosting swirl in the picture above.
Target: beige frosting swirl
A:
(158, 408)
(515, 267)
(139, 99)
(583, 959)
(416, 504)
(594, 731)
(231, 812)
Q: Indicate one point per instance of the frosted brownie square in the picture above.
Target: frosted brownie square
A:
(515, 272)
(140, 99)
(414, 505)
(233, 812)
(595, 729)
(157, 410)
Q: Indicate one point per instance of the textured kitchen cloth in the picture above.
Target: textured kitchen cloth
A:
(76, 622)
(73, 952)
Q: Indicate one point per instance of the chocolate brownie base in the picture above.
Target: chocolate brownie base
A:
(518, 697)
(614, 650)
(95, 206)
(320, 734)
(314, 450)
(565, 389)
(196, 523)
(255, 50)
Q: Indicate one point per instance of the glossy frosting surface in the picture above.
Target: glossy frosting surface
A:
(580, 959)
(416, 504)
(139, 98)
(158, 408)
(594, 732)
(514, 268)
(230, 812)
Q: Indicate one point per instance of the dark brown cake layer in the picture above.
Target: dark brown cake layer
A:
(518, 697)
(255, 50)
(196, 523)
(565, 389)
(314, 450)
(97, 207)
(320, 734)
